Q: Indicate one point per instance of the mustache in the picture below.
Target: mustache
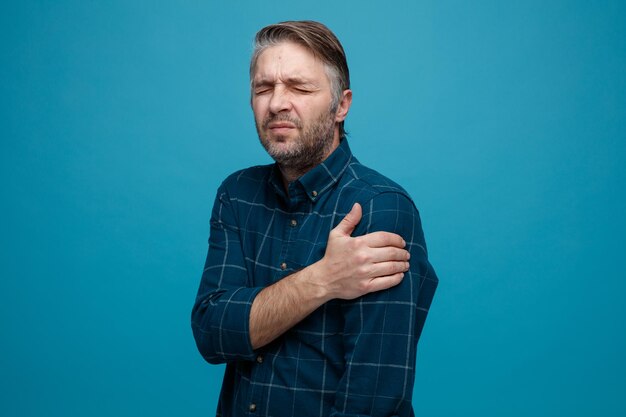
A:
(282, 117)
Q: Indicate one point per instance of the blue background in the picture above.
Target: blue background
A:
(506, 121)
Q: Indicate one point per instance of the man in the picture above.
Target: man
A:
(308, 294)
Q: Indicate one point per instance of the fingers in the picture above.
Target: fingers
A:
(382, 239)
(383, 269)
(383, 283)
(347, 224)
(388, 253)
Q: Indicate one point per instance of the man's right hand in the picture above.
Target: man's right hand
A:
(350, 268)
(354, 266)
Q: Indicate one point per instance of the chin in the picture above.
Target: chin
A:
(280, 138)
(277, 139)
(282, 148)
(277, 145)
(281, 143)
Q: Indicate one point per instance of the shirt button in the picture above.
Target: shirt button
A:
(283, 266)
(293, 223)
(252, 408)
(314, 193)
(259, 359)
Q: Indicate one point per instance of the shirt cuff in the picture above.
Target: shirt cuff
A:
(231, 331)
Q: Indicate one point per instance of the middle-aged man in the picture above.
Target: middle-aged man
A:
(316, 283)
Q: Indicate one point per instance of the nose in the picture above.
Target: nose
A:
(280, 100)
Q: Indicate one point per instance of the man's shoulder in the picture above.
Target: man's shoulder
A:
(247, 179)
(370, 183)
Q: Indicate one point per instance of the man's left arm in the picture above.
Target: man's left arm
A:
(382, 328)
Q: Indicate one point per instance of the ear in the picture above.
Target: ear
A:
(344, 106)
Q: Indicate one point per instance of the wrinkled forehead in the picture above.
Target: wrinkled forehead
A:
(287, 60)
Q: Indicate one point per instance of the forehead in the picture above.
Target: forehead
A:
(289, 60)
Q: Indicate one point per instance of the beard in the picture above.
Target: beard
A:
(308, 149)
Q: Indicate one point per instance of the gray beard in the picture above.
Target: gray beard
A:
(312, 146)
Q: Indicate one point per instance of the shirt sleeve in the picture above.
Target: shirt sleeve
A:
(221, 313)
(382, 329)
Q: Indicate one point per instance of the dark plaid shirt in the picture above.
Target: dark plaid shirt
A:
(348, 358)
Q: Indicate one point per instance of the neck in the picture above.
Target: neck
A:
(292, 173)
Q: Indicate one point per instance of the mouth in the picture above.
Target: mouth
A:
(281, 126)
(281, 129)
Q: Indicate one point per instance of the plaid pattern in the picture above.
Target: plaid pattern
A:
(347, 358)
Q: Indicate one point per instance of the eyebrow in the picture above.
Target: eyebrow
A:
(289, 81)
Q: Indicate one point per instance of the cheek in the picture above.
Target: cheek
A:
(311, 111)
(259, 110)
(305, 109)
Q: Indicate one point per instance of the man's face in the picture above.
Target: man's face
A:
(291, 100)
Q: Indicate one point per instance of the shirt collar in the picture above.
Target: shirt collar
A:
(321, 178)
